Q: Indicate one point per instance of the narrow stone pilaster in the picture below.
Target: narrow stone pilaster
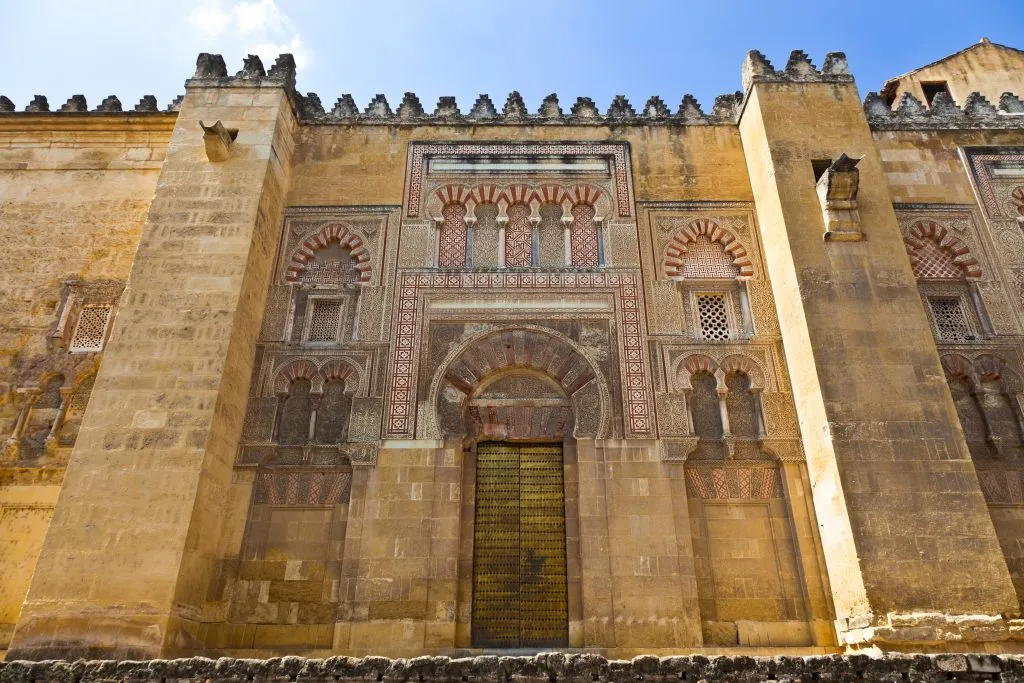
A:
(906, 536)
(127, 560)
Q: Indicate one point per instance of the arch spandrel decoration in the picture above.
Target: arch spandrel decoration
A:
(526, 382)
(696, 234)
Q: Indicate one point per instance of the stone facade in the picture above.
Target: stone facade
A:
(287, 380)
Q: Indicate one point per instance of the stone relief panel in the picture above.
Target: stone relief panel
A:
(426, 297)
(315, 395)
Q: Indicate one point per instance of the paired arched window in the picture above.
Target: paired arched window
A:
(732, 415)
(987, 407)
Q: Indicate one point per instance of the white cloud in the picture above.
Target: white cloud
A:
(209, 19)
(258, 27)
(262, 16)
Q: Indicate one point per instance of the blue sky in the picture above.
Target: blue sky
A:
(595, 48)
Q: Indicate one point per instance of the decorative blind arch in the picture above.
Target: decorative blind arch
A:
(935, 254)
(704, 250)
(346, 239)
(453, 241)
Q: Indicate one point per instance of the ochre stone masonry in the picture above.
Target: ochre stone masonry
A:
(279, 380)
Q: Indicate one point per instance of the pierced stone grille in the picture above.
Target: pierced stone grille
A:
(518, 237)
(950, 319)
(714, 320)
(932, 262)
(452, 250)
(324, 320)
(705, 259)
(583, 238)
(91, 328)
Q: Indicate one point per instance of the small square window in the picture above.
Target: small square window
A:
(819, 166)
(91, 330)
(933, 88)
(951, 322)
(324, 320)
(713, 317)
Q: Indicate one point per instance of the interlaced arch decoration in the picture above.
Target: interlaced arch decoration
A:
(703, 240)
(336, 232)
(935, 254)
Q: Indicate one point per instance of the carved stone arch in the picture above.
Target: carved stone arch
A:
(684, 368)
(1017, 197)
(517, 193)
(342, 368)
(960, 367)
(446, 195)
(489, 194)
(739, 363)
(991, 368)
(345, 236)
(937, 254)
(548, 193)
(678, 247)
(298, 368)
(490, 356)
(594, 196)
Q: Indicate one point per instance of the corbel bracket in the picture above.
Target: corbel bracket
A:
(218, 140)
(837, 192)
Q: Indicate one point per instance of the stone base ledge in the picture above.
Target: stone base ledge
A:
(541, 668)
(924, 631)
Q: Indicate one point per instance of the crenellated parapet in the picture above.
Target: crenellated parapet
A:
(77, 104)
(212, 70)
(515, 112)
(799, 69)
(944, 113)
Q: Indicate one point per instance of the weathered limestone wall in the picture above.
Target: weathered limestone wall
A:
(872, 459)
(159, 439)
(74, 192)
(925, 166)
(366, 164)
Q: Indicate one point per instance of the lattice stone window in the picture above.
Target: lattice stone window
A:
(712, 312)
(324, 320)
(91, 329)
(951, 322)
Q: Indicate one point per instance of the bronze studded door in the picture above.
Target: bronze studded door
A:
(519, 579)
